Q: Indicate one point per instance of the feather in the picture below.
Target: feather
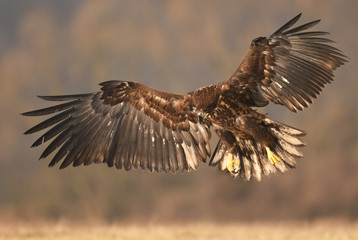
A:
(49, 122)
(302, 27)
(174, 166)
(67, 97)
(287, 25)
(58, 141)
(49, 110)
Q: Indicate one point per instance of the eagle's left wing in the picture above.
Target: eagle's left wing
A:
(290, 67)
(127, 125)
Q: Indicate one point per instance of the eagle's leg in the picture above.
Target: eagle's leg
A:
(233, 166)
(272, 157)
(256, 127)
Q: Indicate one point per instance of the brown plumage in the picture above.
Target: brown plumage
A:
(130, 125)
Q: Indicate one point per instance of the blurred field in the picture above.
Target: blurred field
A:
(322, 229)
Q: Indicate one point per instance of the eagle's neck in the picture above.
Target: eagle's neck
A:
(205, 98)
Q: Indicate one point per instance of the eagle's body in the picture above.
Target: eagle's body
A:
(130, 125)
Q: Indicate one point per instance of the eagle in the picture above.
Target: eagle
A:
(130, 125)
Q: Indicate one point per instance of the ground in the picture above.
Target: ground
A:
(322, 229)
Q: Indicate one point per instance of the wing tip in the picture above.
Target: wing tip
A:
(285, 28)
(287, 25)
(296, 18)
(65, 97)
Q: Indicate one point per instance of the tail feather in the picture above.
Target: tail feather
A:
(218, 154)
(253, 157)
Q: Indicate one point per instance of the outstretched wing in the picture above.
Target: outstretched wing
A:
(290, 67)
(128, 125)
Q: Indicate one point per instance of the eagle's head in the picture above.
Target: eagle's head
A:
(203, 110)
(202, 116)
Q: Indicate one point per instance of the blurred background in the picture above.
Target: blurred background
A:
(68, 47)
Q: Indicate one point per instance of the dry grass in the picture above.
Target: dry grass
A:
(324, 229)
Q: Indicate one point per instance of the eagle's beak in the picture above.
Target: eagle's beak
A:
(202, 116)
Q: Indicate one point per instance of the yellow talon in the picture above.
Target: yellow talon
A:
(232, 165)
(272, 157)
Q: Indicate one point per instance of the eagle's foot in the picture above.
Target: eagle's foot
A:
(233, 166)
(272, 157)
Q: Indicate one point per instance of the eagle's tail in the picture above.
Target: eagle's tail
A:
(251, 158)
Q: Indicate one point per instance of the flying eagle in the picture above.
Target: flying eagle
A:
(130, 125)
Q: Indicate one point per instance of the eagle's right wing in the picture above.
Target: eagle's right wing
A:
(128, 125)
